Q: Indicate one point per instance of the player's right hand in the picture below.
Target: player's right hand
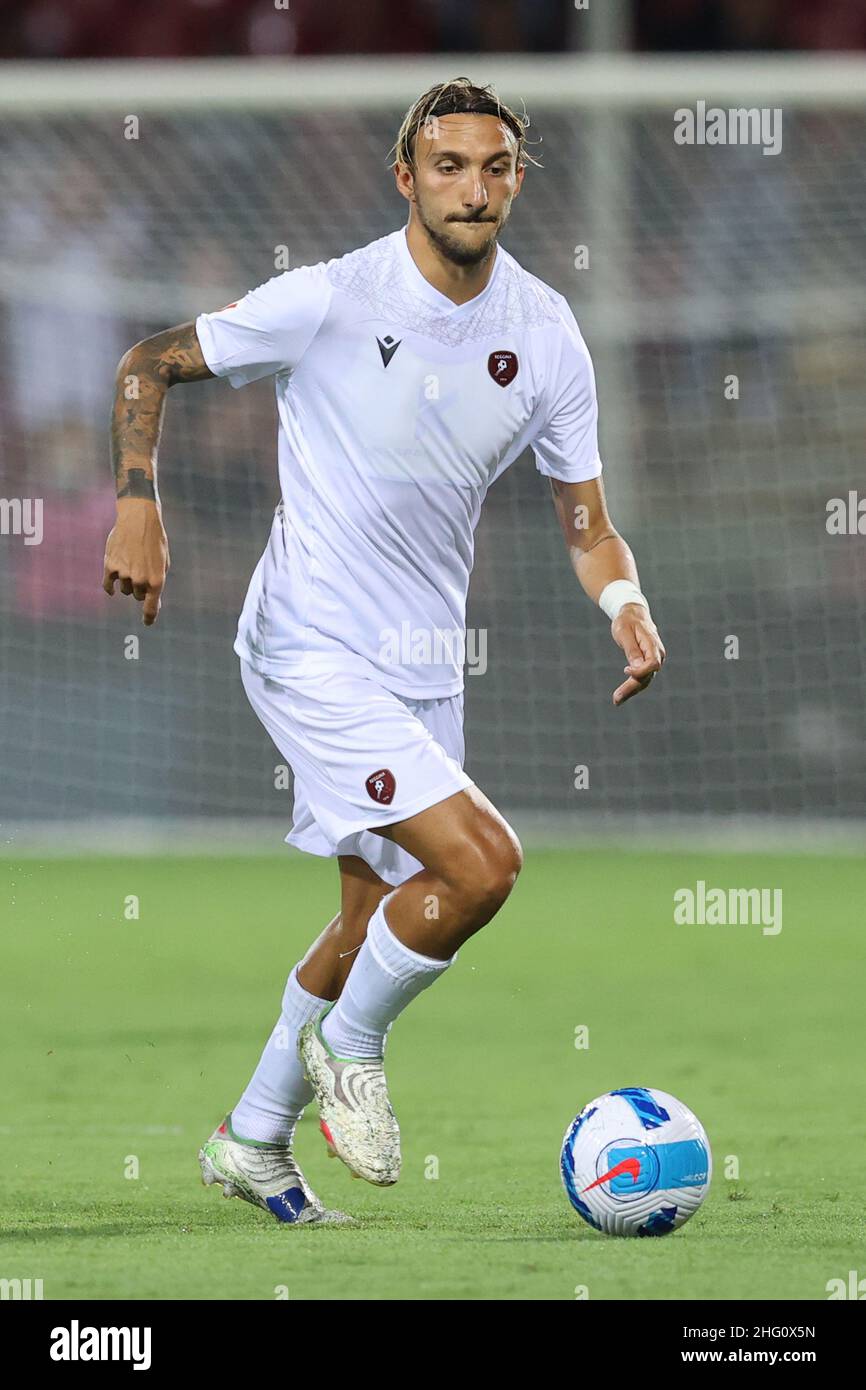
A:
(136, 554)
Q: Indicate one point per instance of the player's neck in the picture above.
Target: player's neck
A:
(458, 283)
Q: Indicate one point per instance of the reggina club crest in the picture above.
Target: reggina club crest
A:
(381, 786)
(502, 366)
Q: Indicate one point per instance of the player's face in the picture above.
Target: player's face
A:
(465, 181)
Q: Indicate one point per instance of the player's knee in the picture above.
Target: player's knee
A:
(490, 869)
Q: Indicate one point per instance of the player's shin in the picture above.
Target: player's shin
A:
(272, 1103)
(385, 977)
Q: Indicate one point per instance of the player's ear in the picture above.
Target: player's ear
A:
(405, 181)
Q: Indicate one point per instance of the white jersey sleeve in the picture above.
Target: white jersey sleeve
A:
(267, 331)
(566, 445)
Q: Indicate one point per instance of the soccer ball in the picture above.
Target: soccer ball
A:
(636, 1162)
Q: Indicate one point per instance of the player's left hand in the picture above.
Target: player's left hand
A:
(634, 630)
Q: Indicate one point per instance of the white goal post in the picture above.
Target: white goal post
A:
(558, 81)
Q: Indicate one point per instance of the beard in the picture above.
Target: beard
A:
(452, 248)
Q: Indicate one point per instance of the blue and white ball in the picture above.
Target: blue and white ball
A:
(636, 1162)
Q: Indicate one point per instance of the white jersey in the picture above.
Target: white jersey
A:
(397, 410)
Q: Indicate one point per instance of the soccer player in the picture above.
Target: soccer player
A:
(409, 374)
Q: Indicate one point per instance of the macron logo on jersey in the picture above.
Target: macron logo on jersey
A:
(388, 348)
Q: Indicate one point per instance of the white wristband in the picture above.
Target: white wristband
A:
(617, 594)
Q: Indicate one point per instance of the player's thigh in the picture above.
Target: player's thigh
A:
(363, 757)
(464, 840)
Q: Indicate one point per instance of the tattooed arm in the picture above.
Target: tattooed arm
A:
(136, 552)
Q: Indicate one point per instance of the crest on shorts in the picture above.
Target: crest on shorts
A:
(502, 366)
(381, 786)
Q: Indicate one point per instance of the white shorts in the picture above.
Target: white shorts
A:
(362, 757)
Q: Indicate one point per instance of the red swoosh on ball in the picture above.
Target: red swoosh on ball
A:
(628, 1165)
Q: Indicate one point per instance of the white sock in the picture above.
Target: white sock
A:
(272, 1103)
(385, 977)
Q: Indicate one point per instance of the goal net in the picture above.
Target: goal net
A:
(720, 287)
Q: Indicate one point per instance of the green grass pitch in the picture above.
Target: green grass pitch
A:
(128, 1039)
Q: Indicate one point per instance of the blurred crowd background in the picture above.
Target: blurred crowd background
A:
(703, 262)
(203, 28)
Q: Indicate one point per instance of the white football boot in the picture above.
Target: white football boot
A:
(355, 1114)
(264, 1174)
